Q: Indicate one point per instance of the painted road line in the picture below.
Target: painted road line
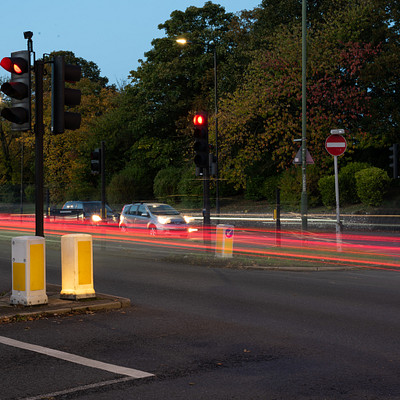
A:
(134, 373)
(78, 389)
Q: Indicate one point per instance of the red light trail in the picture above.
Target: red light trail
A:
(370, 250)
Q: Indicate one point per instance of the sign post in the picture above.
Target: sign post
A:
(336, 145)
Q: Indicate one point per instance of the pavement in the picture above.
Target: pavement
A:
(57, 306)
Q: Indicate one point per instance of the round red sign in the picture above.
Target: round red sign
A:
(335, 145)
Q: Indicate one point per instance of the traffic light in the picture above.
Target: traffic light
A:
(95, 161)
(394, 156)
(62, 96)
(18, 89)
(200, 147)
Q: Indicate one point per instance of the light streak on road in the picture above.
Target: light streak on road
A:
(370, 250)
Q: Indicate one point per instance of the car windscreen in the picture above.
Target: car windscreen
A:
(162, 209)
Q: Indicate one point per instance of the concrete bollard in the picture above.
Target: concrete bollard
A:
(77, 267)
(28, 271)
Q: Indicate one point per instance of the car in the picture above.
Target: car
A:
(156, 218)
(89, 211)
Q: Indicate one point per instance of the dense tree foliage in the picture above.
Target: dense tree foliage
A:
(352, 83)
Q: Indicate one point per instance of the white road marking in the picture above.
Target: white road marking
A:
(77, 389)
(133, 373)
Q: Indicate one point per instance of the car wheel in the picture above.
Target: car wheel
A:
(123, 228)
(152, 231)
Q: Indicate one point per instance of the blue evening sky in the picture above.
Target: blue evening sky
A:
(96, 30)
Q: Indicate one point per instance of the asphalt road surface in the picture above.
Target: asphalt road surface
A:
(210, 333)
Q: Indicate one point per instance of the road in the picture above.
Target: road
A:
(213, 333)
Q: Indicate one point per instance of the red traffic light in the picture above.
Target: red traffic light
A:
(15, 65)
(200, 120)
(18, 89)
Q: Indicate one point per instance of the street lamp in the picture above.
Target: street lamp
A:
(183, 41)
(304, 118)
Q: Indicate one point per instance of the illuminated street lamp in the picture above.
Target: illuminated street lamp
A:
(183, 41)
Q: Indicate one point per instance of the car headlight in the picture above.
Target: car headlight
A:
(188, 219)
(96, 218)
(164, 220)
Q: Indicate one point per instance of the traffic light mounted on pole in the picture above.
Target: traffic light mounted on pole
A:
(95, 161)
(62, 96)
(18, 89)
(200, 147)
(394, 156)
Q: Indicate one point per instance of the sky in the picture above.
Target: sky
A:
(96, 30)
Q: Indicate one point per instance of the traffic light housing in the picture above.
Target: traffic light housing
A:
(394, 156)
(18, 89)
(95, 161)
(201, 158)
(62, 96)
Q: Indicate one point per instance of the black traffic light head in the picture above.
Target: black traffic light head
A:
(201, 158)
(18, 89)
(62, 96)
(394, 156)
(95, 161)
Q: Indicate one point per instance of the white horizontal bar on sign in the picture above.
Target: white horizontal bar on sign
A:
(336, 144)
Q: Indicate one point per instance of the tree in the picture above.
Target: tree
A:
(150, 127)
(262, 117)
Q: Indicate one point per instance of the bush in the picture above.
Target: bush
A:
(190, 189)
(79, 191)
(269, 188)
(326, 187)
(130, 184)
(10, 193)
(372, 183)
(29, 192)
(291, 187)
(347, 182)
(347, 185)
(166, 184)
(254, 188)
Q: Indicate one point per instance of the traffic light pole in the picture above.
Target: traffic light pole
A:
(206, 206)
(39, 132)
(303, 204)
(206, 198)
(103, 180)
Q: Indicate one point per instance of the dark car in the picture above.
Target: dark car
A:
(90, 211)
(155, 218)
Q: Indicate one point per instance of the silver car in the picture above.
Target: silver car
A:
(155, 218)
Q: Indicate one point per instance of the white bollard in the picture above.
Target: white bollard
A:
(77, 267)
(224, 241)
(28, 271)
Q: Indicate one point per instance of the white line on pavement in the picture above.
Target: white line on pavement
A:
(134, 373)
(78, 389)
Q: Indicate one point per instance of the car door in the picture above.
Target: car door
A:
(142, 218)
(130, 216)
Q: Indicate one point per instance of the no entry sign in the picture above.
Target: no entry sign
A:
(335, 145)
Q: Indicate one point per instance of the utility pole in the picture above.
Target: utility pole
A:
(304, 119)
(103, 181)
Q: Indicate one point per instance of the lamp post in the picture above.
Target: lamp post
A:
(184, 41)
(304, 119)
